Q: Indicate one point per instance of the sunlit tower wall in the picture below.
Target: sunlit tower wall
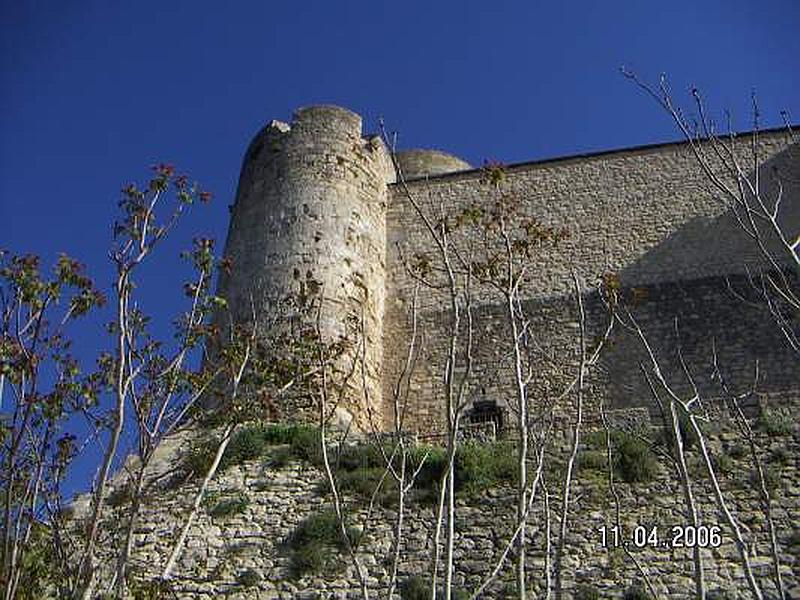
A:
(310, 217)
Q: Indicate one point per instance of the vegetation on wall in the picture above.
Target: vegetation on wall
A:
(419, 588)
(252, 442)
(774, 423)
(631, 454)
(228, 507)
(316, 542)
(145, 392)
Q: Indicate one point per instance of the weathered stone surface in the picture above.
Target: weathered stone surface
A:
(646, 214)
(220, 550)
(318, 206)
(310, 218)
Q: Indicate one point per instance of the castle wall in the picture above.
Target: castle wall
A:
(318, 214)
(647, 215)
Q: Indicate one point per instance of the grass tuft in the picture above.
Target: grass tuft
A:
(229, 507)
(315, 542)
(633, 460)
(774, 423)
(256, 441)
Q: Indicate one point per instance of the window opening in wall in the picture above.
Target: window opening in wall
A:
(487, 411)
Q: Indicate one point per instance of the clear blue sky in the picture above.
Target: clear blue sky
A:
(91, 93)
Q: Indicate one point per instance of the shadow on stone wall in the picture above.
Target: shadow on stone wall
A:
(711, 257)
(716, 245)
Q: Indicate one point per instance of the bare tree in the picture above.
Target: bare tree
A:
(397, 463)
(328, 400)
(756, 453)
(458, 278)
(587, 359)
(757, 199)
(690, 408)
(733, 164)
(163, 392)
(137, 233)
(234, 359)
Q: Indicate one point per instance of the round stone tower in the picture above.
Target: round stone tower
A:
(310, 218)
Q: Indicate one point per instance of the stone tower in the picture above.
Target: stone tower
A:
(310, 216)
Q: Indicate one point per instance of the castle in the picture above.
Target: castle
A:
(319, 203)
(321, 206)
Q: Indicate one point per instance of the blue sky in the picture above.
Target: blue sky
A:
(91, 93)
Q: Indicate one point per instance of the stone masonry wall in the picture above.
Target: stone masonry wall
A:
(318, 213)
(222, 550)
(647, 215)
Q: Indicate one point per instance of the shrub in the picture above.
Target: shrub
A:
(586, 591)
(415, 588)
(595, 440)
(309, 558)
(720, 594)
(689, 438)
(279, 457)
(248, 443)
(359, 469)
(249, 578)
(229, 507)
(481, 466)
(636, 592)
(314, 541)
(252, 442)
(363, 456)
(364, 483)
(592, 460)
(633, 459)
(306, 444)
(433, 468)
(477, 466)
(199, 456)
(774, 423)
(278, 433)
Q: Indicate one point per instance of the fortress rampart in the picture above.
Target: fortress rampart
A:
(318, 205)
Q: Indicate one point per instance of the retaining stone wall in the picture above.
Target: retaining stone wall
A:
(220, 550)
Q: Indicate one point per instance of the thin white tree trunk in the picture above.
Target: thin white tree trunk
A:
(177, 549)
(741, 545)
